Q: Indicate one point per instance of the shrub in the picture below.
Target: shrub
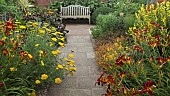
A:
(104, 25)
(101, 10)
(129, 21)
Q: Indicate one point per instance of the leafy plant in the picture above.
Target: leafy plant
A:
(102, 11)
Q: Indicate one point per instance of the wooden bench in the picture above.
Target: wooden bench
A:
(75, 11)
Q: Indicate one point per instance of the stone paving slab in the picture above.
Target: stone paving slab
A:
(84, 79)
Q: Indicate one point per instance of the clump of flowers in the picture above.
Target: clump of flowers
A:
(30, 58)
(141, 65)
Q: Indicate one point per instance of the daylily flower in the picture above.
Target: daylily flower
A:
(155, 24)
(120, 60)
(22, 27)
(161, 60)
(138, 48)
(13, 69)
(30, 56)
(37, 45)
(5, 51)
(1, 84)
(122, 74)
(2, 42)
(148, 87)
(42, 63)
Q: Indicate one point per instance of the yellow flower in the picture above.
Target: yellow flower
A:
(24, 61)
(66, 59)
(66, 68)
(56, 68)
(35, 24)
(12, 69)
(54, 39)
(44, 76)
(58, 80)
(48, 30)
(72, 69)
(51, 44)
(37, 81)
(33, 93)
(37, 45)
(22, 27)
(71, 73)
(55, 52)
(3, 38)
(62, 39)
(41, 31)
(54, 33)
(60, 66)
(61, 44)
(71, 55)
(42, 63)
(30, 56)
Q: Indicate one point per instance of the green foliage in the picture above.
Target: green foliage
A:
(129, 20)
(102, 11)
(104, 24)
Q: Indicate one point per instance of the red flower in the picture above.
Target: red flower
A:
(5, 51)
(138, 48)
(111, 79)
(154, 44)
(120, 60)
(1, 84)
(155, 24)
(2, 42)
(161, 60)
(9, 25)
(99, 80)
(147, 87)
(122, 74)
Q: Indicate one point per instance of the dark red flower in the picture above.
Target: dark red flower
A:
(138, 48)
(120, 60)
(155, 24)
(2, 42)
(122, 74)
(9, 25)
(154, 44)
(1, 84)
(99, 80)
(161, 60)
(148, 87)
(5, 51)
(111, 79)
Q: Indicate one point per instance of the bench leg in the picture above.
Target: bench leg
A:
(89, 20)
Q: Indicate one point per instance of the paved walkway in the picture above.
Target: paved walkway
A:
(83, 81)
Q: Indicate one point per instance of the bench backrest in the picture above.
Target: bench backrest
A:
(75, 10)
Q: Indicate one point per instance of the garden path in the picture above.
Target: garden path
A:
(83, 81)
